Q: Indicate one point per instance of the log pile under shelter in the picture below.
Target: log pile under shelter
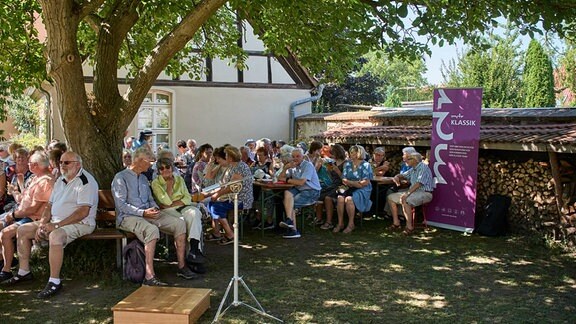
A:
(526, 154)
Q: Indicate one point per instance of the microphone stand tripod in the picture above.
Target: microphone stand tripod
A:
(235, 187)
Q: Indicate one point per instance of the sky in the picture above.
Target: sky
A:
(434, 62)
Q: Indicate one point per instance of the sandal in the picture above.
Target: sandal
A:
(337, 229)
(226, 240)
(408, 231)
(348, 229)
(327, 226)
(394, 227)
(211, 237)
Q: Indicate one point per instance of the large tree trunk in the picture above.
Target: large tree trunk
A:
(94, 123)
(99, 147)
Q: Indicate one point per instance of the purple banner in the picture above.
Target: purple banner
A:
(454, 158)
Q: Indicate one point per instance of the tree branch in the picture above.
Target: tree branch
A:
(165, 50)
(88, 7)
(94, 21)
(112, 32)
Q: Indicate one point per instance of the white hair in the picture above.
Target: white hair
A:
(408, 150)
(416, 156)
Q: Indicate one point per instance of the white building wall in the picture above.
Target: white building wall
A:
(225, 115)
(257, 71)
(231, 115)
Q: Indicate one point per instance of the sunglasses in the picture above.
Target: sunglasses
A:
(67, 162)
(162, 168)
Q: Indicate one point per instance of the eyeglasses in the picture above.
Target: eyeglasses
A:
(162, 168)
(67, 162)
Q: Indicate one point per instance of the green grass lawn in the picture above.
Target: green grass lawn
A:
(370, 276)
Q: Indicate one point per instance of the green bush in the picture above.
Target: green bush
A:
(28, 140)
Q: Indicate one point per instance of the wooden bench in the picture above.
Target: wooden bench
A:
(106, 225)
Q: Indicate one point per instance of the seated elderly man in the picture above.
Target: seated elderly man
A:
(419, 193)
(138, 213)
(31, 204)
(70, 214)
(306, 191)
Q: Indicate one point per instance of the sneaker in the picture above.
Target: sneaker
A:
(269, 226)
(186, 273)
(225, 241)
(50, 290)
(18, 278)
(5, 275)
(288, 223)
(195, 258)
(292, 234)
(153, 282)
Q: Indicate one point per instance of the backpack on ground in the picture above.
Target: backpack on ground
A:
(495, 222)
(134, 261)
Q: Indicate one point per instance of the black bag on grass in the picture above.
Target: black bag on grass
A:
(495, 222)
(134, 261)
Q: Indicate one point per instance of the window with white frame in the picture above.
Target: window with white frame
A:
(155, 115)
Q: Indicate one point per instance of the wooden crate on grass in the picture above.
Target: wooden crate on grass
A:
(162, 305)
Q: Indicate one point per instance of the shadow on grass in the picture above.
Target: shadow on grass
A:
(370, 276)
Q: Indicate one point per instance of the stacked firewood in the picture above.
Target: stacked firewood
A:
(531, 187)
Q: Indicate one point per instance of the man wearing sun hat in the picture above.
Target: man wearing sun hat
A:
(143, 140)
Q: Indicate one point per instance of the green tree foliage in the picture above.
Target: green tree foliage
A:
(538, 79)
(405, 75)
(496, 69)
(355, 90)
(392, 98)
(566, 74)
(26, 114)
(395, 71)
(152, 36)
(22, 63)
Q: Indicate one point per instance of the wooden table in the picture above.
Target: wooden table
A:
(383, 180)
(162, 305)
(275, 189)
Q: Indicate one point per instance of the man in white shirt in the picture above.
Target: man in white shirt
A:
(70, 214)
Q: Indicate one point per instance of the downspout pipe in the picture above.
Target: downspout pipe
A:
(48, 113)
(301, 102)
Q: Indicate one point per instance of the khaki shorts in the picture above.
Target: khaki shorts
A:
(74, 231)
(417, 198)
(63, 235)
(147, 229)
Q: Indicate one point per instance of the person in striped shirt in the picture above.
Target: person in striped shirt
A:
(419, 193)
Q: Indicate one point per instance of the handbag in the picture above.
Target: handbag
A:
(324, 177)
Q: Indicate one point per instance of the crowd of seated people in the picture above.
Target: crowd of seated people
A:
(164, 192)
(347, 186)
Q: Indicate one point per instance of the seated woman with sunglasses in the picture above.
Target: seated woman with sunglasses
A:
(172, 196)
(356, 176)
